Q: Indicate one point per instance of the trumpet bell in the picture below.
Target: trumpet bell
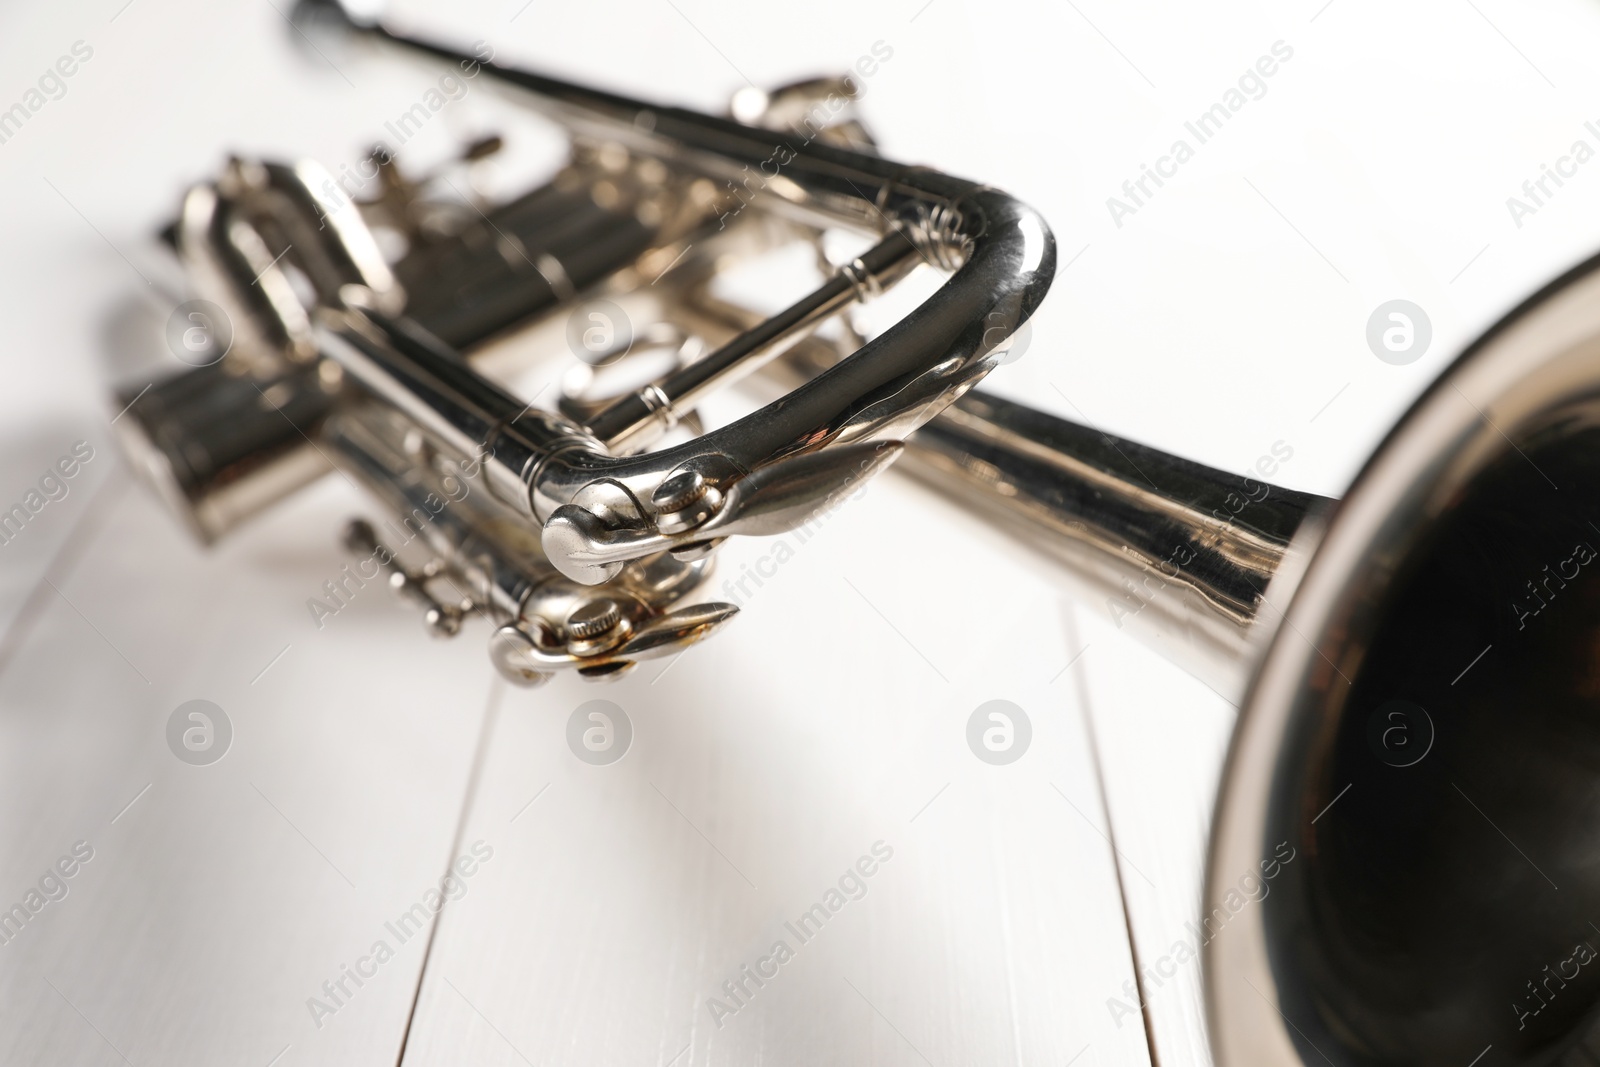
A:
(1424, 732)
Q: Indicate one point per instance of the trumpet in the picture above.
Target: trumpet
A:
(367, 359)
(1414, 665)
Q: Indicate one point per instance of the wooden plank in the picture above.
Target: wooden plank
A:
(220, 897)
(828, 722)
(1162, 737)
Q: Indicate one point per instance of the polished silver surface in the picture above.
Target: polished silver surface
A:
(1429, 586)
(1001, 253)
(1348, 643)
(543, 621)
(1392, 804)
(1178, 553)
(1233, 577)
(324, 319)
(1415, 753)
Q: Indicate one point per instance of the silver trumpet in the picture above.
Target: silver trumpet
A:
(1417, 666)
(576, 540)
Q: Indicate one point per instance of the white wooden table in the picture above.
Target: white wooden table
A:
(225, 905)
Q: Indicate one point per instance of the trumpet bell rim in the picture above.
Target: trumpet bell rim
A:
(1263, 1005)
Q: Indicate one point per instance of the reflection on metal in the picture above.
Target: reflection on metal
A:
(1430, 893)
(331, 343)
